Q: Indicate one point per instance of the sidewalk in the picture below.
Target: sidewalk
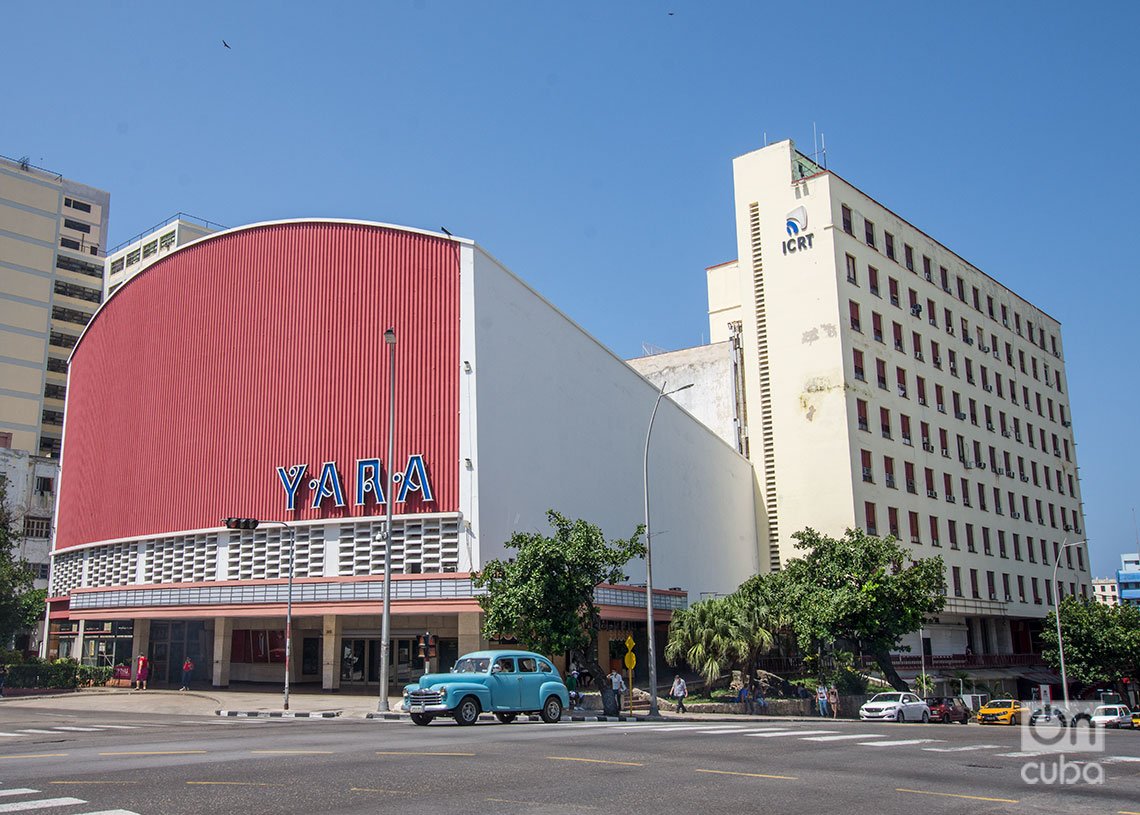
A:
(259, 701)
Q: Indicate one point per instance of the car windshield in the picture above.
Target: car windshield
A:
(1005, 703)
(937, 700)
(1106, 711)
(887, 697)
(472, 665)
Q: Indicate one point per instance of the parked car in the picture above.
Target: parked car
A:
(1112, 716)
(895, 707)
(1136, 719)
(948, 709)
(1002, 711)
(505, 683)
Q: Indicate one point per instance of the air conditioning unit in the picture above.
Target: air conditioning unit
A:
(1068, 528)
(907, 441)
(1005, 322)
(1015, 514)
(985, 349)
(918, 355)
(1025, 479)
(945, 453)
(988, 388)
(928, 276)
(934, 321)
(953, 369)
(922, 401)
(916, 310)
(993, 595)
(1017, 437)
(1066, 423)
(999, 471)
(890, 480)
(866, 473)
(989, 425)
(1009, 598)
(950, 499)
(950, 330)
(928, 447)
(936, 359)
(902, 391)
(968, 465)
(1005, 433)
(899, 346)
(981, 465)
(959, 415)
(968, 339)
(941, 408)
(931, 493)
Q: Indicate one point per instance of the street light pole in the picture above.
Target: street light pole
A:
(651, 647)
(390, 499)
(922, 655)
(1057, 614)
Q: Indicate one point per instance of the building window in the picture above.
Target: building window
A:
(5, 441)
(889, 240)
(854, 309)
(68, 243)
(166, 241)
(74, 204)
(881, 373)
(846, 211)
(934, 531)
(45, 485)
(908, 256)
(851, 277)
(957, 577)
(37, 527)
(893, 289)
(861, 413)
(869, 231)
(869, 513)
(868, 472)
(893, 521)
(857, 356)
(974, 590)
(78, 226)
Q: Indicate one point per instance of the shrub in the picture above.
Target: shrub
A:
(60, 673)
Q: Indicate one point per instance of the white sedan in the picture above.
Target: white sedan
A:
(895, 707)
(1112, 716)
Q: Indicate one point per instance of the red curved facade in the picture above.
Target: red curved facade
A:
(254, 349)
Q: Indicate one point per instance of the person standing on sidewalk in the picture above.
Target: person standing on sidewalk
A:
(679, 691)
(821, 699)
(142, 671)
(187, 672)
(833, 701)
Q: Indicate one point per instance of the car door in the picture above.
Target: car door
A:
(530, 683)
(504, 684)
(912, 707)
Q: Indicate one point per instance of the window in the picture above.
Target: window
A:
(857, 356)
(846, 213)
(944, 278)
(889, 472)
(908, 469)
(934, 531)
(970, 547)
(869, 514)
(861, 413)
(851, 278)
(868, 472)
(957, 576)
(166, 241)
(5, 441)
(877, 326)
(78, 226)
(881, 373)
(74, 204)
(1001, 547)
(904, 426)
(873, 280)
(900, 378)
(961, 288)
(893, 289)
(974, 591)
(915, 537)
(869, 232)
(889, 240)
(926, 269)
(37, 527)
(908, 256)
(885, 422)
(893, 521)
(986, 548)
(854, 309)
(68, 243)
(898, 338)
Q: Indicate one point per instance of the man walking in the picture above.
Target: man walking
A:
(821, 698)
(679, 692)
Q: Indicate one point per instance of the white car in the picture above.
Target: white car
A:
(1112, 716)
(895, 707)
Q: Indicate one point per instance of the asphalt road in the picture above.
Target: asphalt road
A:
(78, 763)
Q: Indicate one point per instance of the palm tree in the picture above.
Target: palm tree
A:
(714, 635)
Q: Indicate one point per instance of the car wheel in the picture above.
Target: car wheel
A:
(899, 717)
(468, 711)
(422, 718)
(1012, 720)
(925, 717)
(552, 710)
(506, 718)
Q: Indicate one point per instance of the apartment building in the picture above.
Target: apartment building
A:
(53, 233)
(130, 257)
(1128, 579)
(1106, 591)
(893, 386)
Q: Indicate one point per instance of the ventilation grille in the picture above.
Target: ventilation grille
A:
(177, 559)
(767, 437)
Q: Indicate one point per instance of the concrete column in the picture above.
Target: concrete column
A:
(471, 632)
(140, 643)
(330, 652)
(77, 652)
(223, 634)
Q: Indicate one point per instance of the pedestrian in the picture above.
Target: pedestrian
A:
(745, 699)
(3, 678)
(617, 682)
(821, 698)
(679, 691)
(760, 702)
(187, 672)
(572, 688)
(142, 671)
(833, 701)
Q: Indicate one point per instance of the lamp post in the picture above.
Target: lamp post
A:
(253, 523)
(651, 648)
(1057, 614)
(922, 656)
(390, 499)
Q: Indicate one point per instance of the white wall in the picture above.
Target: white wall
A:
(562, 423)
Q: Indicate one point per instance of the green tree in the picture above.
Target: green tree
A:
(544, 596)
(1102, 643)
(16, 577)
(860, 588)
(714, 635)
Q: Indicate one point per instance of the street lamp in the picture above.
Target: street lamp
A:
(390, 499)
(922, 656)
(253, 523)
(1057, 613)
(651, 648)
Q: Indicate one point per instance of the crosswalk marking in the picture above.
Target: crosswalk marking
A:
(78, 729)
(9, 734)
(791, 733)
(21, 791)
(846, 737)
(896, 742)
(110, 812)
(963, 749)
(1119, 759)
(118, 726)
(41, 732)
(708, 732)
(1025, 754)
(42, 803)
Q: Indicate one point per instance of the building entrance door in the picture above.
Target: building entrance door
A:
(360, 662)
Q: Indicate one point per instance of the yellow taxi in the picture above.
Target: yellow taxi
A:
(1136, 720)
(1002, 711)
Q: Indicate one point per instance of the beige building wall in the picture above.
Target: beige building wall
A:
(817, 290)
(52, 236)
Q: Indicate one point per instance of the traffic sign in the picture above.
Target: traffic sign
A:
(631, 660)
(629, 643)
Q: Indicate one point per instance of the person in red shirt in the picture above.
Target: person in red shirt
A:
(142, 671)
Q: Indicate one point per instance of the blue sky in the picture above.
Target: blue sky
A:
(588, 145)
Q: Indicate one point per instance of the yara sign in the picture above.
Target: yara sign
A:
(327, 484)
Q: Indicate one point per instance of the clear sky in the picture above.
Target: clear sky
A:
(588, 145)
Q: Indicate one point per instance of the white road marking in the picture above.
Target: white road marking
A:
(79, 729)
(846, 737)
(720, 730)
(896, 742)
(1119, 759)
(110, 812)
(9, 734)
(1026, 754)
(118, 726)
(964, 749)
(791, 733)
(42, 803)
(40, 732)
(24, 791)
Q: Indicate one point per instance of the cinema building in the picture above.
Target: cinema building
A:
(246, 374)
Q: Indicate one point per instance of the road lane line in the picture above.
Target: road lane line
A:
(373, 789)
(119, 726)
(751, 775)
(415, 753)
(294, 752)
(14, 735)
(18, 791)
(896, 743)
(965, 749)
(1118, 759)
(232, 784)
(791, 733)
(110, 812)
(1026, 754)
(77, 729)
(596, 761)
(846, 736)
(38, 732)
(42, 803)
(37, 755)
(107, 783)
(157, 753)
(959, 795)
(720, 731)
(538, 803)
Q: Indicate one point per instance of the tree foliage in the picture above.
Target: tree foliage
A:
(1102, 643)
(544, 596)
(16, 577)
(867, 590)
(715, 635)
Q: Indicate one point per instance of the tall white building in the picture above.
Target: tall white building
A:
(131, 257)
(891, 385)
(1106, 591)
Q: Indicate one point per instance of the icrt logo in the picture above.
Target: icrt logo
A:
(799, 239)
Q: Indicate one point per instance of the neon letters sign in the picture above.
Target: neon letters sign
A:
(328, 483)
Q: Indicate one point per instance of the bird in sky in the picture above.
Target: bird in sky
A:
(226, 44)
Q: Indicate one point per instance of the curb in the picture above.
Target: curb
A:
(490, 717)
(278, 714)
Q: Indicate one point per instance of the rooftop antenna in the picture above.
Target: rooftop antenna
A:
(765, 138)
(823, 145)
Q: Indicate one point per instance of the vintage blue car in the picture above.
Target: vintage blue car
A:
(505, 683)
